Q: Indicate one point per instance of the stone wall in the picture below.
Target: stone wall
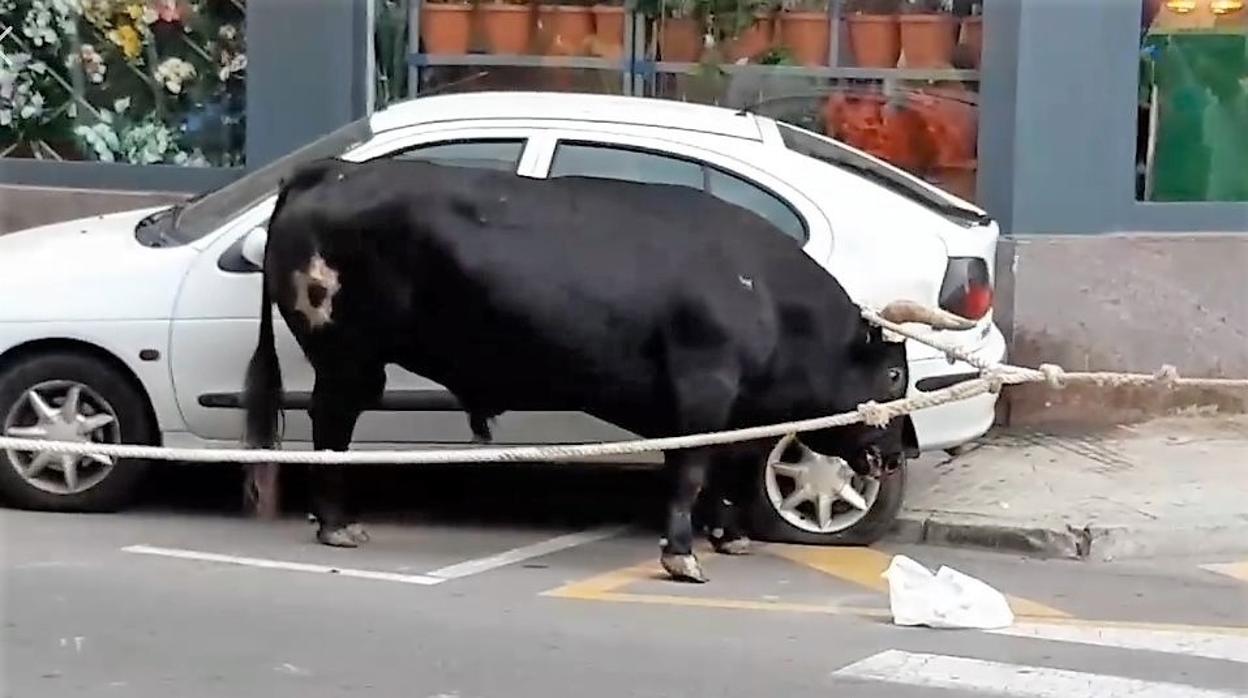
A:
(1128, 303)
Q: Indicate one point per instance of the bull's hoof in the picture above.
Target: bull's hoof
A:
(338, 537)
(684, 568)
(736, 546)
(358, 532)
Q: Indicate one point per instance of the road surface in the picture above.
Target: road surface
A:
(531, 601)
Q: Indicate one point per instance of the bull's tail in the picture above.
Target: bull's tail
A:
(262, 391)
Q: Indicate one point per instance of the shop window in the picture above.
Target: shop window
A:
(1192, 143)
(140, 82)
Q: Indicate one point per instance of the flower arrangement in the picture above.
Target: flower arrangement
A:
(131, 81)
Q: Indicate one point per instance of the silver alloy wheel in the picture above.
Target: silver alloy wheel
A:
(62, 410)
(814, 499)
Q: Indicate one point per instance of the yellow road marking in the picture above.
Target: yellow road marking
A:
(1237, 570)
(865, 567)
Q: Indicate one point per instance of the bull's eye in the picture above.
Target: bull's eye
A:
(895, 378)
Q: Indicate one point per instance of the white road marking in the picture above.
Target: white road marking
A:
(1232, 648)
(571, 540)
(1017, 680)
(419, 579)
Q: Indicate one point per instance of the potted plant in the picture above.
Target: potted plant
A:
(507, 26)
(868, 120)
(446, 26)
(609, 17)
(928, 31)
(874, 36)
(679, 27)
(804, 30)
(973, 34)
(743, 28)
(565, 29)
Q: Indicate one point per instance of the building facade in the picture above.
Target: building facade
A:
(1109, 138)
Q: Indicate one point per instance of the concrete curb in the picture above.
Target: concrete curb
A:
(1062, 540)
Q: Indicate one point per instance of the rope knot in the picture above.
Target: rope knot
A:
(1167, 376)
(995, 382)
(874, 414)
(1054, 375)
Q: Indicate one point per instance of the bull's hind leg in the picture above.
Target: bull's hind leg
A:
(338, 399)
(728, 490)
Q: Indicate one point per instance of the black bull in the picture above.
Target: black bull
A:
(659, 309)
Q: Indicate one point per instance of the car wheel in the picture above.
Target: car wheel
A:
(69, 396)
(799, 500)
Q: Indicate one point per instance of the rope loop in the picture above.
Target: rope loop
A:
(874, 414)
(1054, 375)
(1167, 376)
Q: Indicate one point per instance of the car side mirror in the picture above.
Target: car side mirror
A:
(253, 245)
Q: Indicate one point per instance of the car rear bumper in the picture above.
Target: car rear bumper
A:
(958, 422)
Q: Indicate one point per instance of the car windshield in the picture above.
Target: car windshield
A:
(207, 212)
(825, 149)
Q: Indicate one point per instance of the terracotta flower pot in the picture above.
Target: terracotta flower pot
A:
(680, 40)
(565, 29)
(751, 42)
(868, 123)
(507, 28)
(608, 30)
(927, 40)
(875, 40)
(806, 36)
(445, 27)
(973, 37)
(950, 125)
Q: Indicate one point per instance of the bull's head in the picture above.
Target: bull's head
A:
(877, 369)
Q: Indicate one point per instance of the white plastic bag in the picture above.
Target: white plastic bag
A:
(948, 599)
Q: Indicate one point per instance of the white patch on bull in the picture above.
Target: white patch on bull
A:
(746, 281)
(319, 277)
(891, 336)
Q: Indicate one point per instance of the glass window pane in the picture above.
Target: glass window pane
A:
(1191, 143)
(574, 160)
(495, 155)
(748, 196)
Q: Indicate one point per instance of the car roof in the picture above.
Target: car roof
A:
(618, 109)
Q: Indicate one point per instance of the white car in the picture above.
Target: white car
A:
(136, 327)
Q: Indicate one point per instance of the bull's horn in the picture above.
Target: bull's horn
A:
(902, 311)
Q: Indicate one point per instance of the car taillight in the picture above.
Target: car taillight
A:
(967, 289)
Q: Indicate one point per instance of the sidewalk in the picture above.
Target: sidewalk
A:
(1176, 485)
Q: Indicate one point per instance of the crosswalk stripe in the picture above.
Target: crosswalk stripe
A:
(1232, 648)
(1015, 680)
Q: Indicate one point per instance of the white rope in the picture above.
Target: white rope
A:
(996, 375)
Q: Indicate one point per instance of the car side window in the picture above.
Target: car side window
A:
(580, 160)
(493, 154)
(737, 191)
(634, 165)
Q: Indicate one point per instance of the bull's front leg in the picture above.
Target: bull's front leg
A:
(337, 401)
(688, 469)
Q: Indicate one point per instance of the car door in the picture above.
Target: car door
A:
(216, 320)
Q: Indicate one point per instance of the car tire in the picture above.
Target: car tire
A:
(767, 524)
(115, 489)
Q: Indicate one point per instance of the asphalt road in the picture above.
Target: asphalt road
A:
(550, 595)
